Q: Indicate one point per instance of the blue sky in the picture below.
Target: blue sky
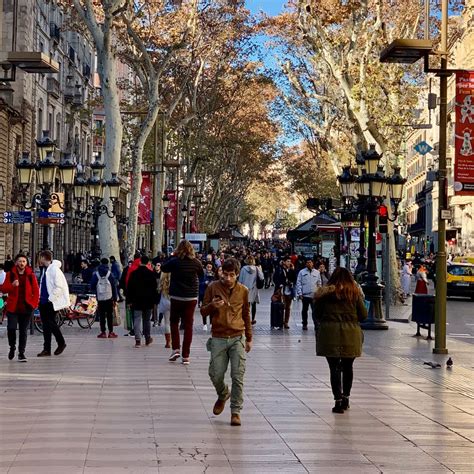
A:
(271, 7)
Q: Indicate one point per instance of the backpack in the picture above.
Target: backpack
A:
(104, 287)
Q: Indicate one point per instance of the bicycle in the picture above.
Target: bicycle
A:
(82, 310)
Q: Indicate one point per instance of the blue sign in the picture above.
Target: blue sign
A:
(50, 215)
(17, 217)
(423, 148)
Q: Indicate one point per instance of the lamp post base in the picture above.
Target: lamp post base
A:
(373, 294)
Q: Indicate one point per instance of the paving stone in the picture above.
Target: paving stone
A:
(104, 407)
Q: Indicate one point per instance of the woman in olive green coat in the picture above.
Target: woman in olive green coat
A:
(339, 308)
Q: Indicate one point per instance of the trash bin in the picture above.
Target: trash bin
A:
(423, 309)
(423, 312)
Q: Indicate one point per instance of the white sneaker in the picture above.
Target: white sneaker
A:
(175, 355)
(205, 327)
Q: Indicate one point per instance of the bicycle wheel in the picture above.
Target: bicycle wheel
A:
(37, 323)
(86, 321)
(60, 317)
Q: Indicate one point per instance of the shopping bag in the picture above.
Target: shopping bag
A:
(117, 319)
(128, 320)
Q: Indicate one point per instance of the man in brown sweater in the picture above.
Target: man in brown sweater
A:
(226, 302)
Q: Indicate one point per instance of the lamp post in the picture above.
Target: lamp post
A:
(367, 192)
(184, 212)
(166, 205)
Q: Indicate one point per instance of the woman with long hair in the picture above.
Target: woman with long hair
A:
(165, 305)
(339, 308)
(186, 270)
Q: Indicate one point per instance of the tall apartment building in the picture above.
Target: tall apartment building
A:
(55, 99)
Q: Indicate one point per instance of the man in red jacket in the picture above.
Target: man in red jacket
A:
(23, 297)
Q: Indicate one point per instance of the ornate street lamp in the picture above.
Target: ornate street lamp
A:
(80, 187)
(25, 169)
(114, 187)
(97, 167)
(67, 170)
(96, 187)
(396, 183)
(371, 159)
(46, 168)
(347, 184)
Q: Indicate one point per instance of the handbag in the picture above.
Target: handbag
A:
(117, 319)
(260, 282)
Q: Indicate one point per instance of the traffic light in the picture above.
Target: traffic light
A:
(383, 219)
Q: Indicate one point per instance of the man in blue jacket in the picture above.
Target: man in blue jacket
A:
(103, 284)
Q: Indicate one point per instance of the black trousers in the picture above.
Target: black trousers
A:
(253, 308)
(267, 274)
(307, 303)
(22, 321)
(106, 314)
(50, 327)
(341, 376)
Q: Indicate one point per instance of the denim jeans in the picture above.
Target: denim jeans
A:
(139, 316)
(222, 351)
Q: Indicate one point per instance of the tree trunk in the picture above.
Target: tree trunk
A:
(137, 155)
(113, 131)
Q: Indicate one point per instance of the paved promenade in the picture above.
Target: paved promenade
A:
(105, 407)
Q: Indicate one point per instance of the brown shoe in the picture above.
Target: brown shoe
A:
(286, 326)
(149, 341)
(220, 405)
(44, 354)
(235, 419)
(60, 350)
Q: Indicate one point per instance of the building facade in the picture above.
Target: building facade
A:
(422, 190)
(58, 101)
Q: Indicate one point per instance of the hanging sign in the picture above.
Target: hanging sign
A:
(144, 206)
(464, 134)
(172, 211)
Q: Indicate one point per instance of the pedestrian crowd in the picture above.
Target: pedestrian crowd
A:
(226, 288)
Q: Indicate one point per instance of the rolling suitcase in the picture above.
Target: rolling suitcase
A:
(277, 310)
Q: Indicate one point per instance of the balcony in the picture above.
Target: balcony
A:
(53, 87)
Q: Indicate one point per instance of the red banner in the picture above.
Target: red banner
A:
(144, 206)
(172, 211)
(464, 134)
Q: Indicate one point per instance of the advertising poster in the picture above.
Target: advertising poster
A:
(144, 206)
(464, 134)
(172, 211)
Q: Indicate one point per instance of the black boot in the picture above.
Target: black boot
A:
(11, 342)
(345, 403)
(338, 407)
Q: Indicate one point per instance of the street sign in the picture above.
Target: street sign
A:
(17, 217)
(46, 218)
(350, 224)
(445, 214)
(196, 237)
(423, 148)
